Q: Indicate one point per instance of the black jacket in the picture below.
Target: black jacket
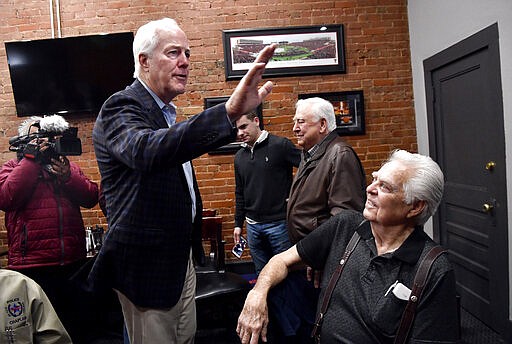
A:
(263, 179)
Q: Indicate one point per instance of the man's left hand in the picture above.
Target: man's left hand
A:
(247, 96)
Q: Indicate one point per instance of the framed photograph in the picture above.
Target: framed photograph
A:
(230, 148)
(348, 109)
(301, 50)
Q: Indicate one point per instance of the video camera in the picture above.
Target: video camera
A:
(62, 140)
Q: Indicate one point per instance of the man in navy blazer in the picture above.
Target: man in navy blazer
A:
(152, 200)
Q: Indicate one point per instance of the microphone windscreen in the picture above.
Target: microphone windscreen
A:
(53, 124)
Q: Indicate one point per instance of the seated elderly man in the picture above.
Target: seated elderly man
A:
(366, 305)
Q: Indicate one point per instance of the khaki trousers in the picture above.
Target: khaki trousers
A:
(173, 325)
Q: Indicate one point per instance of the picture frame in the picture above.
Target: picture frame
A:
(302, 50)
(232, 147)
(348, 109)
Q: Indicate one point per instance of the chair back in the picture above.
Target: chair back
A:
(209, 212)
(214, 245)
(213, 281)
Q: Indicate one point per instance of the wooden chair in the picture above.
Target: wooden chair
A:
(209, 212)
(220, 294)
(213, 245)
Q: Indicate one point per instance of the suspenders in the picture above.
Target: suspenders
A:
(410, 309)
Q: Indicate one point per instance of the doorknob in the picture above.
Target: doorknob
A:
(487, 208)
(490, 165)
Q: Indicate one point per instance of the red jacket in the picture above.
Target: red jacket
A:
(42, 216)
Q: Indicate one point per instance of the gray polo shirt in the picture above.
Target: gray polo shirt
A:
(361, 309)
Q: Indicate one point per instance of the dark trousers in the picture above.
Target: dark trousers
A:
(78, 310)
(292, 309)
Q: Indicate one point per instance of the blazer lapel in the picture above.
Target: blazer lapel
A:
(155, 115)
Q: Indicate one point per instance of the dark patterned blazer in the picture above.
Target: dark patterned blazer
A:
(148, 203)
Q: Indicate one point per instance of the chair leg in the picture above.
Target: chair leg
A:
(459, 321)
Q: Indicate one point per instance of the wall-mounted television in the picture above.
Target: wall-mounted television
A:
(69, 75)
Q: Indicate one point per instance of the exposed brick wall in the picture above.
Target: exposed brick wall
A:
(377, 60)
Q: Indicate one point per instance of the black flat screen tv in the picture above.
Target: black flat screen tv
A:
(68, 75)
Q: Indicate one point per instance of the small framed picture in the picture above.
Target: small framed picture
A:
(348, 109)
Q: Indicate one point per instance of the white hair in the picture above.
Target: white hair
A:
(24, 127)
(425, 182)
(319, 108)
(146, 39)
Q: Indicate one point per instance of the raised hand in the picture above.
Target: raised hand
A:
(247, 96)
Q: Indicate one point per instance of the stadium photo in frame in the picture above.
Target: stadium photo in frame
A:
(232, 147)
(348, 110)
(302, 50)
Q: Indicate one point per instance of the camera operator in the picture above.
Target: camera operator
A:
(41, 193)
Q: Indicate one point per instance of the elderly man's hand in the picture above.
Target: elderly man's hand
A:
(253, 320)
(246, 96)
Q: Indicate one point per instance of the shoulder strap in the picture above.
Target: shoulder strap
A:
(419, 282)
(332, 283)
